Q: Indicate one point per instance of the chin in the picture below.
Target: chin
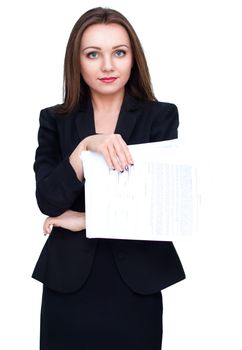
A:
(107, 90)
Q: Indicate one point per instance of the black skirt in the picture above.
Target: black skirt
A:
(103, 314)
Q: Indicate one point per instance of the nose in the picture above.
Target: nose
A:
(107, 64)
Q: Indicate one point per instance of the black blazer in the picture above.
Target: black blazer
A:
(66, 258)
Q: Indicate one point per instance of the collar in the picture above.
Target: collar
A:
(128, 114)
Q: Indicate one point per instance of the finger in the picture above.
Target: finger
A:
(45, 225)
(48, 224)
(126, 151)
(123, 153)
(49, 228)
(108, 159)
(115, 158)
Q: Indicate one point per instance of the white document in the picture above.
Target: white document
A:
(156, 199)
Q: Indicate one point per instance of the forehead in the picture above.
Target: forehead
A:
(105, 34)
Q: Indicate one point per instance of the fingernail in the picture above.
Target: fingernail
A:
(126, 168)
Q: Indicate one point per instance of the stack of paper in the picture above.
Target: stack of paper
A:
(156, 199)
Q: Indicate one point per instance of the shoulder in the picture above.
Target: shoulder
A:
(164, 120)
(51, 117)
(50, 121)
(158, 107)
(51, 112)
(159, 111)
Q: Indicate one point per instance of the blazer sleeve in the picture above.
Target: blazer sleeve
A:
(165, 123)
(57, 185)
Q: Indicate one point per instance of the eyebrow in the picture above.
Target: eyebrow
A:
(99, 48)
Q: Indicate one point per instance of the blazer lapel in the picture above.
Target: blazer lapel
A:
(127, 117)
(126, 120)
(85, 120)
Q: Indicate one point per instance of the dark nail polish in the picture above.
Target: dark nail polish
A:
(126, 168)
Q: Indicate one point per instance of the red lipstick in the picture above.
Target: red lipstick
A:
(108, 79)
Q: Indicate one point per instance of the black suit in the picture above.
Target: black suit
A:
(66, 258)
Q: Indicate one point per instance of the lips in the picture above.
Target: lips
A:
(108, 79)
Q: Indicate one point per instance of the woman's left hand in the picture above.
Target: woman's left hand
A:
(70, 220)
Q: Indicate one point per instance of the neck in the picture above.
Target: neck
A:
(109, 102)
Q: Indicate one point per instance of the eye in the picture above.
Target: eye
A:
(120, 53)
(92, 54)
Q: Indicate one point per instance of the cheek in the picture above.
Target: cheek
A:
(126, 68)
(84, 67)
(86, 71)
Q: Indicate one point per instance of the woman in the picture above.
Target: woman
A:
(99, 293)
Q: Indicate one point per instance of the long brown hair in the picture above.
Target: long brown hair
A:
(75, 90)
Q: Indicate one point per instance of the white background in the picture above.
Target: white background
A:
(193, 49)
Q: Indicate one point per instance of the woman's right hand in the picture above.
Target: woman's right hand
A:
(111, 146)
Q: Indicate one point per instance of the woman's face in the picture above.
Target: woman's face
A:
(105, 52)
